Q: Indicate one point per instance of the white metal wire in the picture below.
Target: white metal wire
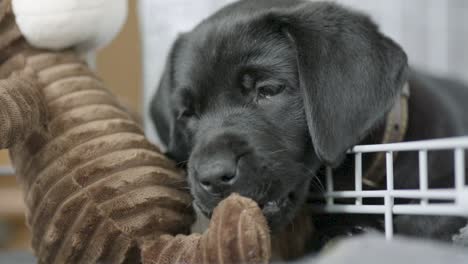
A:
(455, 199)
(329, 184)
(433, 144)
(423, 175)
(358, 174)
(388, 201)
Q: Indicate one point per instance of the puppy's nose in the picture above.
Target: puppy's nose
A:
(218, 174)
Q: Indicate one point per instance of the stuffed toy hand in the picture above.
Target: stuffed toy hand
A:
(96, 190)
(238, 233)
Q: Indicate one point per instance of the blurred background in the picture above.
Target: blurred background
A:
(434, 33)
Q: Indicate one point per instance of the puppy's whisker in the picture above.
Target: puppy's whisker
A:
(278, 151)
(178, 164)
(319, 184)
(315, 182)
(317, 187)
(264, 189)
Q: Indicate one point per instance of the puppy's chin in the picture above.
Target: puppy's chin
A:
(202, 221)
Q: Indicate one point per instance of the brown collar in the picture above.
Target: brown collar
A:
(395, 130)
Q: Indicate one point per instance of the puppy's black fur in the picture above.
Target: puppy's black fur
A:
(263, 93)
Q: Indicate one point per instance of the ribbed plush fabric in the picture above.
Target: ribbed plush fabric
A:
(21, 108)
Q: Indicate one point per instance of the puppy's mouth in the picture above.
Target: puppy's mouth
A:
(279, 211)
(275, 211)
(275, 206)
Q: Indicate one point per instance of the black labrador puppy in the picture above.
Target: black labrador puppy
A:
(262, 94)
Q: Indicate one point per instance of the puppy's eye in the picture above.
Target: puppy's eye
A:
(185, 114)
(268, 91)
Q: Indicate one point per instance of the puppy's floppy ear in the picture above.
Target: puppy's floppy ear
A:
(350, 74)
(160, 107)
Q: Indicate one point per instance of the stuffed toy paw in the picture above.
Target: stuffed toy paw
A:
(238, 233)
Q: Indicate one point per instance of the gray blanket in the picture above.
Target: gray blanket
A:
(376, 250)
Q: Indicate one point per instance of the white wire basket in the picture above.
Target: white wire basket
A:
(455, 199)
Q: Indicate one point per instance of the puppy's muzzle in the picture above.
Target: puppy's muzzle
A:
(215, 164)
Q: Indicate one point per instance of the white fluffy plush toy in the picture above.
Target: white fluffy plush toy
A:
(58, 24)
